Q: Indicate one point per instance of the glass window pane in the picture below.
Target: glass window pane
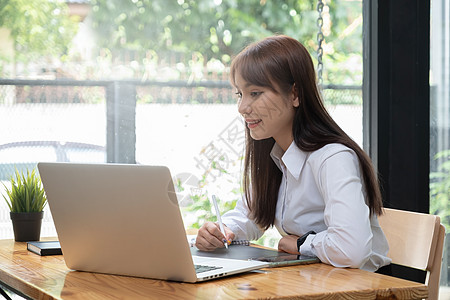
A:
(174, 57)
(440, 125)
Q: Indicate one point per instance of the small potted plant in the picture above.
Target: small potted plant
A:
(26, 200)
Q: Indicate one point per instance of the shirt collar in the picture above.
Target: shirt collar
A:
(293, 158)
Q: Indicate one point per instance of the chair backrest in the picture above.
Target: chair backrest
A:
(416, 240)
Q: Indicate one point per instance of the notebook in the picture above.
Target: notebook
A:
(125, 220)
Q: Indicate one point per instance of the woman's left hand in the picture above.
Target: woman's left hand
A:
(288, 244)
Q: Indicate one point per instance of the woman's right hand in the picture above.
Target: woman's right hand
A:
(210, 237)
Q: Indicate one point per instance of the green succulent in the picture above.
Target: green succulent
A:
(26, 193)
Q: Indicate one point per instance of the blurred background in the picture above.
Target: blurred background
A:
(146, 81)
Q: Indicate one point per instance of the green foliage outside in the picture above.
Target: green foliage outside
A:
(185, 35)
(201, 201)
(39, 29)
(26, 193)
(214, 31)
(440, 189)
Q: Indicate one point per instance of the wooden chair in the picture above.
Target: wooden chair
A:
(416, 240)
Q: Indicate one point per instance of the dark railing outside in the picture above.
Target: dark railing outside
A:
(121, 98)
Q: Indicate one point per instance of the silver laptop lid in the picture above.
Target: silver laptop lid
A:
(118, 219)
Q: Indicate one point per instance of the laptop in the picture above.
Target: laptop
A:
(125, 220)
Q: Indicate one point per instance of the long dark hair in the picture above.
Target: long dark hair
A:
(280, 62)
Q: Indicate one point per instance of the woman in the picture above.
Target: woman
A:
(302, 173)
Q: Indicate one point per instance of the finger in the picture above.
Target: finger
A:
(229, 234)
(216, 239)
(214, 229)
(203, 244)
(208, 244)
(209, 237)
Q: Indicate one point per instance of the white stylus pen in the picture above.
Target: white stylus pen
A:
(219, 219)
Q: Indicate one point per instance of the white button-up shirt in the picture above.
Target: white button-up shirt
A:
(321, 191)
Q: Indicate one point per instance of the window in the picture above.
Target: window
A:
(155, 90)
(440, 122)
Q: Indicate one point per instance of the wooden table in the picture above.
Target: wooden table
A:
(48, 277)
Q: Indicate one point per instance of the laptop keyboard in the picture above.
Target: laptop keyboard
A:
(201, 268)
